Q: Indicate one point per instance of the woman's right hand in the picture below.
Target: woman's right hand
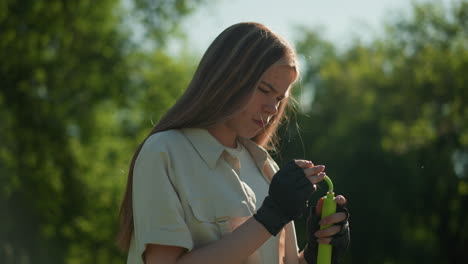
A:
(315, 173)
(289, 191)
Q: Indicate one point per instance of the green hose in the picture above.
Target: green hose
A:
(329, 207)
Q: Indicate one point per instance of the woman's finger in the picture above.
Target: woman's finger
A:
(317, 178)
(315, 170)
(333, 219)
(324, 240)
(340, 200)
(305, 164)
(328, 232)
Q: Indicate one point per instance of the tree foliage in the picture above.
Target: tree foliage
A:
(390, 121)
(74, 88)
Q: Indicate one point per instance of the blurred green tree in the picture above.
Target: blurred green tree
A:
(389, 119)
(73, 89)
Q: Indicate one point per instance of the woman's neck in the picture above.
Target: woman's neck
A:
(224, 135)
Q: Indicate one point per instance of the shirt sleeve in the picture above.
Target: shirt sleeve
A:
(157, 211)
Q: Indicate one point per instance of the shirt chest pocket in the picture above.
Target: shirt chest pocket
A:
(216, 209)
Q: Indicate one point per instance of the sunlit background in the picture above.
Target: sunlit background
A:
(339, 21)
(383, 103)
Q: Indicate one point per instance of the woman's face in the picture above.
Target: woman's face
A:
(259, 111)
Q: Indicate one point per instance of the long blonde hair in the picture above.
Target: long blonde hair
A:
(226, 77)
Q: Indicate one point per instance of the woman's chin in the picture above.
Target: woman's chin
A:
(251, 135)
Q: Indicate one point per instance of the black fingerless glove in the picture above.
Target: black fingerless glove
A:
(287, 198)
(340, 241)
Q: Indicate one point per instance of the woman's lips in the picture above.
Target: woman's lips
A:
(259, 123)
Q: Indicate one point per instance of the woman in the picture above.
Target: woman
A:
(202, 188)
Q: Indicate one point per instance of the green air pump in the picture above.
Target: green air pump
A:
(328, 207)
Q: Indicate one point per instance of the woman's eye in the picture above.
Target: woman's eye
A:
(278, 99)
(263, 90)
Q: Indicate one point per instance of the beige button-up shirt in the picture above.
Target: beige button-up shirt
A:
(187, 193)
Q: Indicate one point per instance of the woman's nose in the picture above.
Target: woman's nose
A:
(271, 109)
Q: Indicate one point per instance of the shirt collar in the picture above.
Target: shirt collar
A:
(210, 149)
(207, 146)
(258, 153)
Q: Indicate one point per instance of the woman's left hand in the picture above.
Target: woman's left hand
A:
(336, 220)
(338, 234)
